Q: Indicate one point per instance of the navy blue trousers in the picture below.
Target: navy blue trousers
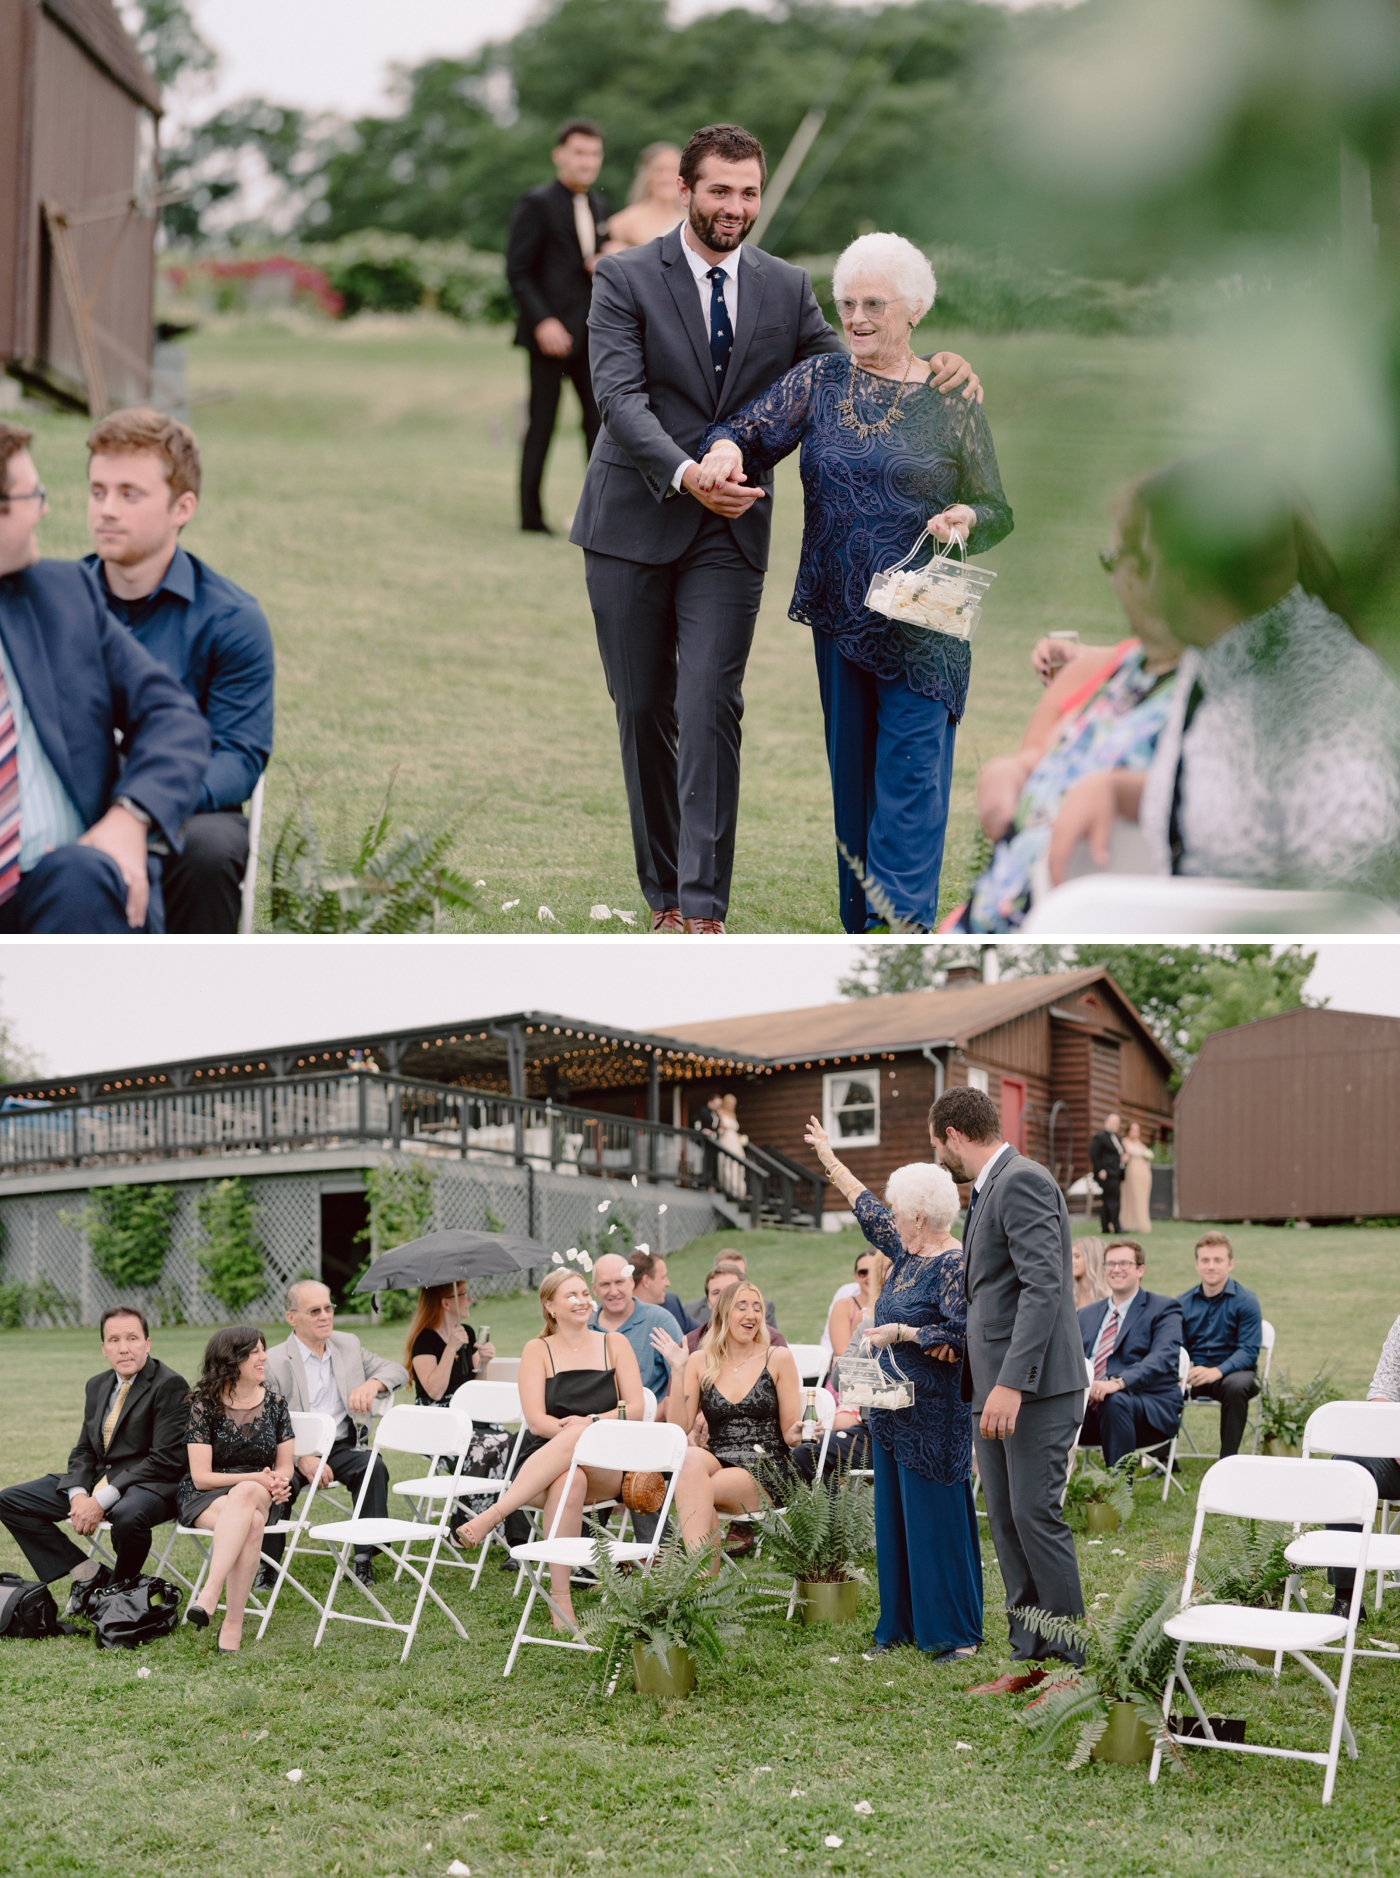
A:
(890, 751)
(928, 1558)
(1124, 1421)
(76, 889)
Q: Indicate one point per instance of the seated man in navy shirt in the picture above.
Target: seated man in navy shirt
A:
(1221, 1328)
(143, 487)
(1133, 1340)
(78, 815)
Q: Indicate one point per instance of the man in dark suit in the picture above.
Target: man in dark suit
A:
(555, 234)
(124, 1468)
(75, 816)
(1107, 1158)
(1134, 1343)
(1024, 1369)
(683, 330)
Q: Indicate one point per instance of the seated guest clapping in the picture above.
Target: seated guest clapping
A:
(570, 1377)
(751, 1397)
(240, 1466)
(322, 1370)
(1134, 1343)
(124, 1468)
(1220, 1326)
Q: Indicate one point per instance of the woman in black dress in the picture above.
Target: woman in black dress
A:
(240, 1467)
(570, 1377)
(441, 1352)
(751, 1396)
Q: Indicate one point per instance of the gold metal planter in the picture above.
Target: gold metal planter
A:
(828, 1603)
(1100, 1517)
(1125, 1741)
(674, 1677)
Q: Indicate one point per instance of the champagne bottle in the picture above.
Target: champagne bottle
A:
(809, 1415)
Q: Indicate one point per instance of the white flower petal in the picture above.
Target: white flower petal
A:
(604, 1205)
(1118, 1552)
(600, 912)
(506, 905)
(458, 1870)
(966, 1746)
(585, 1261)
(294, 1775)
(143, 1671)
(544, 913)
(864, 1806)
(643, 1246)
(634, 1180)
(833, 1841)
(555, 1259)
(628, 919)
(481, 883)
(833, 1659)
(661, 1209)
(798, 1793)
(763, 1770)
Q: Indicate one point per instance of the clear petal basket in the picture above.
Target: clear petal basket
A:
(943, 596)
(867, 1384)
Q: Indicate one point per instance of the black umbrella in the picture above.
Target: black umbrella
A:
(440, 1257)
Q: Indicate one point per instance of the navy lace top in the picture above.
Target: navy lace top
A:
(925, 1291)
(867, 501)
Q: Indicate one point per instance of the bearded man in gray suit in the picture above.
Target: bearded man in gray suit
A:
(681, 331)
(1024, 1371)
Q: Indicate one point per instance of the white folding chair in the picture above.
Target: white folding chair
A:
(503, 1369)
(1266, 1350)
(1144, 1451)
(1247, 1486)
(434, 1433)
(484, 1402)
(812, 1362)
(617, 1447)
(1351, 1428)
(249, 897)
(313, 1434)
(648, 1405)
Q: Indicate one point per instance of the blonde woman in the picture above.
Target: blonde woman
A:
(570, 1377)
(751, 1396)
(848, 1315)
(653, 201)
(1137, 1182)
(1090, 1285)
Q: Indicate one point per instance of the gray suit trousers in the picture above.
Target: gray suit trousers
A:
(1023, 1483)
(674, 640)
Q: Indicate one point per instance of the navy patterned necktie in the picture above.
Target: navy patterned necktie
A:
(721, 332)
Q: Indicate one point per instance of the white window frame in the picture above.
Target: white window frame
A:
(831, 1107)
(979, 1079)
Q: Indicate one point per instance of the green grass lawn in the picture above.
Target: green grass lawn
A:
(183, 1772)
(361, 481)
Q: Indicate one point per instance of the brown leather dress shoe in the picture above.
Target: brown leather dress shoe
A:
(704, 925)
(1009, 1684)
(667, 920)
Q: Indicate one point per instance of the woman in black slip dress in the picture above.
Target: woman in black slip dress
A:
(570, 1377)
(751, 1397)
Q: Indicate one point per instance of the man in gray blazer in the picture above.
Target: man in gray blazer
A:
(683, 331)
(322, 1370)
(1024, 1373)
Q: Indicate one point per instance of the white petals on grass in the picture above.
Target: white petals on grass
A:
(763, 1770)
(480, 883)
(294, 1774)
(458, 1870)
(143, 1671)
(600, 912)
(833, 1841)
(661, 1209)
(798, 1793)
(966, 1747)
(603, 912)
(864, 1808)
(544, 913)
(604, 1205)
(508, 905)
(1118, 1552)
(833, 1659)
(628, 919)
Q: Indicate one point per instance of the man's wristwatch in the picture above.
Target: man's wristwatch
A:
(133, 808)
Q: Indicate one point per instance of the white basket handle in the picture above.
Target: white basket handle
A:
(942, 551)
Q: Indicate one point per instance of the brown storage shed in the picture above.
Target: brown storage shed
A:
(78, 187)
(1292, 1117)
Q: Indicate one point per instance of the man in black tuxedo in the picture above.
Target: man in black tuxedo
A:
(555, 233)
(124, 1467)
(78, 818)
(1107, 1158)
(683, 330)
(1133, 1341)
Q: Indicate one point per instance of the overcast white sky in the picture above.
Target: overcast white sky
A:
(85, 1005)
(334, 55)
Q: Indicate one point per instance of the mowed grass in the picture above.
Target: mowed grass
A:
(405, 1769)
(361, 480)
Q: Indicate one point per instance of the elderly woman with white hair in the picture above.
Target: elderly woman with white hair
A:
(929, 1560)
(886, 458)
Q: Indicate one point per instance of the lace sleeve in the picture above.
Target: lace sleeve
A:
(281, 1418)
(979, 479)
(770, 426)
(951, 1303)
(199, 1434)
(876, 1222)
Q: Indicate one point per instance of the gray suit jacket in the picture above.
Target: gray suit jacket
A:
(351, 1364)
(649, 349)
(1022, 1330)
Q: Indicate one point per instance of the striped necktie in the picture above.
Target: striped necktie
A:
(110, 1420)
(9, 795)
(1108, 1336)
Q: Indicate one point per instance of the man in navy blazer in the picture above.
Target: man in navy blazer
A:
(75, 682)
(1133, 1339)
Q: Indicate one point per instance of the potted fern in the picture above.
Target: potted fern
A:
(676, 1612)
(1253, 1573)
(1101, 1496)
(1116, 1695)
(818, 1537)
(1284, 1411)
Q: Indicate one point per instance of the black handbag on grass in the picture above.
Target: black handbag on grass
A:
(124, 1616)
(27, 1608)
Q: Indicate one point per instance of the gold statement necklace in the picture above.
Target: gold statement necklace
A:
(846, 409)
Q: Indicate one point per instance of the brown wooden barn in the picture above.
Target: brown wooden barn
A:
(1292, 1117)
(78, 184)
(1055, 1053)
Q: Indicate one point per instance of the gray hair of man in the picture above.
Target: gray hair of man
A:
(293, 1300)
(923, 1190)
(886, 260)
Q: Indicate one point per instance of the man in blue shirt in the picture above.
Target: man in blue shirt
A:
(143, 488)
(1220, 1328)
(618, 1309)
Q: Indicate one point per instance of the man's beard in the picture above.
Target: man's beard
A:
(704, 230)
(957, 1167)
